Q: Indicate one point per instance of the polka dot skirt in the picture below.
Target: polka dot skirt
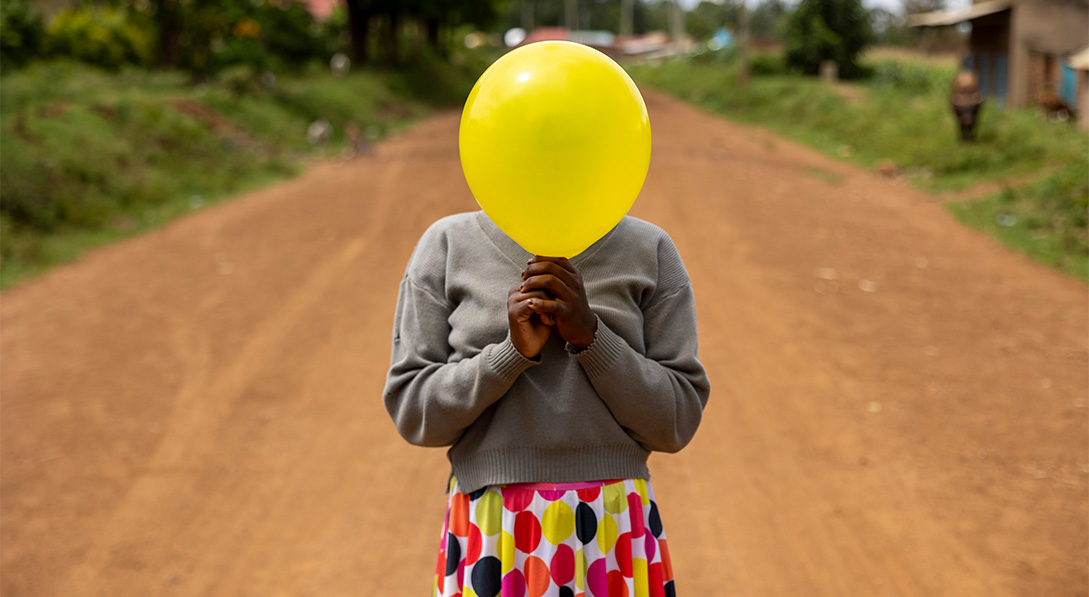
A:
(598, 539)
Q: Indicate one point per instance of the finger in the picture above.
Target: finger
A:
(565, 284)
(520, 293)
(563, 262)
(520, 296)
(544, 307)
(539, 268)
(523, 311)
(553, 286)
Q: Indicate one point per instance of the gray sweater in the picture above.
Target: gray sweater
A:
(456, 379)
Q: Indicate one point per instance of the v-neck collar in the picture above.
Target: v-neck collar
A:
(517, 254)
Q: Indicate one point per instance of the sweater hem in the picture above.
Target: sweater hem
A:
(550, 465)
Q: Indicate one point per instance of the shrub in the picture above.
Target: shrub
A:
(23, 34)
(767, 63)
(909, 77)
(107, 37)
(265, 36)
(820, 30)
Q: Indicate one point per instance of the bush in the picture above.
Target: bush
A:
(106, 37)
(269, 36)
(910, 78)
(162, 146)
(767, 63)
(1047, 219)
(820, 30)
(23, 34)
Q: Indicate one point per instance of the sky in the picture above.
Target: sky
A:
(895, 6)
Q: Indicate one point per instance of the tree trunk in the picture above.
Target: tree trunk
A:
(392, 38)
(168, 21)
(527, 16)
(433, 39)
(359, 26)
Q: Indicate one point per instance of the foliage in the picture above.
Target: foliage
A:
(768, 19)
(269, 35)
(396, 41)
(767, 63)
(869, 122)
(108, 37)
(1047, 219)
(820, 30)
(647, 15)
(702, 21)
(909, 77)
(163, 147)
(23, 34)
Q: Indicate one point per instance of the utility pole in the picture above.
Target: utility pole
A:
(627, 9)
(571, 15)
(743, 47)
(678, 26)
(527, 16)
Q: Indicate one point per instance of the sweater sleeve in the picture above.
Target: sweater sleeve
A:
(659, 396)
(432, 398)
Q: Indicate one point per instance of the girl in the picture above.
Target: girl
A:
(550, 402)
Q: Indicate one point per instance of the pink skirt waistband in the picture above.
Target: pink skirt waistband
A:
(562, 486)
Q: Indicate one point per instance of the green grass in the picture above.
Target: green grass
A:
(1045, 220)
(89, 157)
(900, 115)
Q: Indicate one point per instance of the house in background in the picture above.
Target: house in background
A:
(1020, 49)
(1079, 62)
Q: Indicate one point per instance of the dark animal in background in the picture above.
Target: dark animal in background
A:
(966, 101)
(1054, 107)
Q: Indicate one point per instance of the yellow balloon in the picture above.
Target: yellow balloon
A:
(555, 145)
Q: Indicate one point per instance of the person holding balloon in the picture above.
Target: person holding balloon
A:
(549, 340)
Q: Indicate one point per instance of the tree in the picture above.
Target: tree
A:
(413, 21)
(820, 30)
(701, 21)
(359, 28)
(767, 18)
(23, 36)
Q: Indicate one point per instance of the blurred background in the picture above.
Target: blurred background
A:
(206, 207)
(243, 92)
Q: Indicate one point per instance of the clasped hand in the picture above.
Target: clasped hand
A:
(550, 296)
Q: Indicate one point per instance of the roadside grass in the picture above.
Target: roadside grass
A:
(1046, 220)
(899, 120)
(89, 157)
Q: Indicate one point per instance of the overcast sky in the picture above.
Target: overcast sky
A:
(895, 6)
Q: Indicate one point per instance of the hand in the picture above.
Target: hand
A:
(565, 299)
(529, 330)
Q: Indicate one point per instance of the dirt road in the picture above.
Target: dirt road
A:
(899, 406)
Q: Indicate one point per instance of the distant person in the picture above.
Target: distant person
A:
(552, 381)
(966, 101)
(360, 146)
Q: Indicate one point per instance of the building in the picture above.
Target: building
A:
(1021, 48)
(1080, 63)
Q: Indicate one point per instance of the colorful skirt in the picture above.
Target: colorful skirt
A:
(595, 539)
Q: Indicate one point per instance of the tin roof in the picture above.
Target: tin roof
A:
(958, 15)
(1079, 59)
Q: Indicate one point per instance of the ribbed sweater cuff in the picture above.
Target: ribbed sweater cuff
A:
(605, 351)
(507, 362)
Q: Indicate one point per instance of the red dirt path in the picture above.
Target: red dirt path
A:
(899, 405)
